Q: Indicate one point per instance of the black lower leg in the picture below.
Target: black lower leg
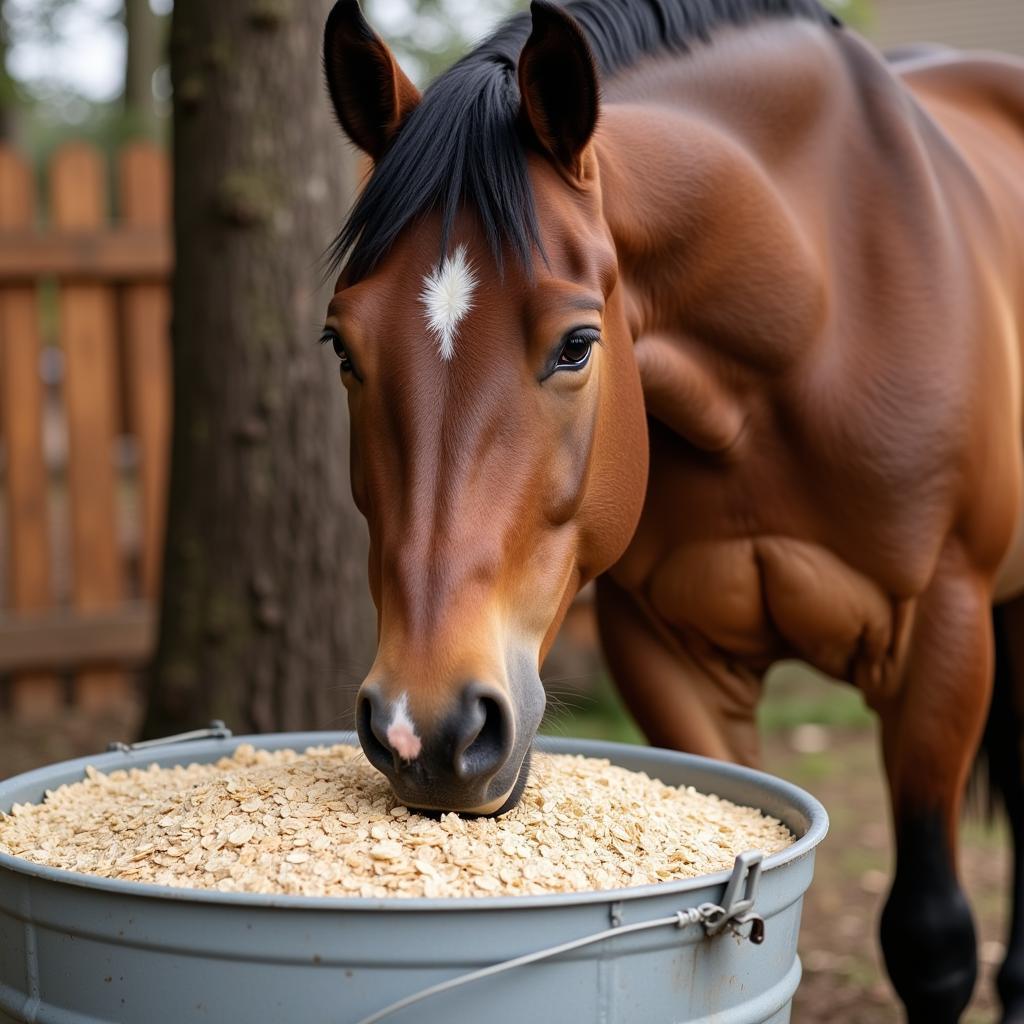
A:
(1002, 747)
(1010, 981)
(927, 931)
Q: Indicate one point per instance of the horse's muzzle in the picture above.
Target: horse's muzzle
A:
(468, 760)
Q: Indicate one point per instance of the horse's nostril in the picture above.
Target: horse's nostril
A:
(377, 752)
(487, 750)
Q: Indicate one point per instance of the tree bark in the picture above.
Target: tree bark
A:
(266, 620)
(143, 55)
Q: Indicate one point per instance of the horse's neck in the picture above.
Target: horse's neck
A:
(721, 177)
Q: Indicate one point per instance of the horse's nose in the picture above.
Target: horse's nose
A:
(447, 764)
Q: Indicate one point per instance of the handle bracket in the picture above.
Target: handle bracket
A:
(738, 902)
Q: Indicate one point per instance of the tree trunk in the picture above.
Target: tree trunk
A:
(266, 620)
(143, 55)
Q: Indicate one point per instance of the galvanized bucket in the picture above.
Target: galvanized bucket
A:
(76, 949)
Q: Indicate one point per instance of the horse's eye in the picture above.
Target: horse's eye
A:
(334, 338)
(576, 349)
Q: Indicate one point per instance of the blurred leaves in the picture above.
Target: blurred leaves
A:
(430, 35)
(38, 19)
(49, 41)
(855, 13)
(64, 73)
(8, 94)
(427, 36)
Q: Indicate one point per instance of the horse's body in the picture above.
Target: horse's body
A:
(802, 436)
(816, 456)
(846, 489)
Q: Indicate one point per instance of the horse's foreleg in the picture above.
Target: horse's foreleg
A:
(681, 699)
(1004, 749)
(930, 734)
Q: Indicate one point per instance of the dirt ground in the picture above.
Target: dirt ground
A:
(844, 981)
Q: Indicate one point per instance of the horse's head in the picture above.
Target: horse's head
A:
(499, 447)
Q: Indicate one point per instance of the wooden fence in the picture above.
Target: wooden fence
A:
(84, 422)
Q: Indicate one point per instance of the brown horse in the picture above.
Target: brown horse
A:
(741, 338)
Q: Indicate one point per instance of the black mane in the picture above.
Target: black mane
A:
(461, 145)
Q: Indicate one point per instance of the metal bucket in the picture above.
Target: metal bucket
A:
(76, 949)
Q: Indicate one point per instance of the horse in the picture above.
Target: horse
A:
(708, 302)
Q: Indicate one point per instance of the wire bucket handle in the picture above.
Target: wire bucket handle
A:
(737, 909)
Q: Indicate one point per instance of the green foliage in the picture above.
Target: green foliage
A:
(430, 35)
(49, 109)
(795, 694)
(598, 714)
(40, 23)
(38, 19)
(427, 35)
(42, 127)
(855, 13)
(8, 90)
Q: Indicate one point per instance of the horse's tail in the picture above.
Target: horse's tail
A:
(1002, 745)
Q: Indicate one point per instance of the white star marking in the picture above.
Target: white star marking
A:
(448, 296)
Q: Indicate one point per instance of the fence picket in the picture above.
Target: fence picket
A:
(88, 338)
(33, 695)
(145, 204)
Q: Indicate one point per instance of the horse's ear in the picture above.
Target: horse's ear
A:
(558, 86)
(370, 92)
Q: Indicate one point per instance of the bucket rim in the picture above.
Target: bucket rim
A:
(801, 802)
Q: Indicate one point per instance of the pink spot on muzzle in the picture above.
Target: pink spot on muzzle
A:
(404, 741)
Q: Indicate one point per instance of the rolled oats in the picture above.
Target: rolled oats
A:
(325, 823)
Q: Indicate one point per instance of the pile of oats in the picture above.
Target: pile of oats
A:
(325, 823)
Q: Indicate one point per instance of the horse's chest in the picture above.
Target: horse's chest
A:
(764, 598)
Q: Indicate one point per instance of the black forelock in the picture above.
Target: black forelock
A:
(461, 144)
